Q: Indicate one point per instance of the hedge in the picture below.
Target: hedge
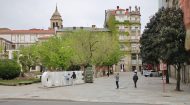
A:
(9, 69)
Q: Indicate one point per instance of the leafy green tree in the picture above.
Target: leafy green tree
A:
(84, 45)
(164, 40)
(172, 39)
(94, 48)
(28, 57)
(111, 24)
(55, 53)
(149, 41)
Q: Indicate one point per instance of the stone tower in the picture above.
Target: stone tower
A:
(56, 20)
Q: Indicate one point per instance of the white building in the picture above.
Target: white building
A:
(23, 38)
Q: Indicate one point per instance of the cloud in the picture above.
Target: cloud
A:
(26, 14)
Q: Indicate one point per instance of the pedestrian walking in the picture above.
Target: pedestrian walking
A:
(135, 78)
(108, 74)
(117, 80)
(73, 78)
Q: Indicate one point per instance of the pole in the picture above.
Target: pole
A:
(163, 81)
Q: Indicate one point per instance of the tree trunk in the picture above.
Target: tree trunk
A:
(167, 75)
(178, 78)
(84, 71)
(108, 71)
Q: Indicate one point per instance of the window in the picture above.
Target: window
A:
(53, 25)
(33, 67)
(57, 24)
(133, 56)
(13, 38)
(22, 38)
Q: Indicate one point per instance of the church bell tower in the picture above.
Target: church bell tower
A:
(56, 20)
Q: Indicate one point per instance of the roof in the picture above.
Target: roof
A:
(31, 31)
(66, 29)
(6, 40)
(56, 15)
(4, 29)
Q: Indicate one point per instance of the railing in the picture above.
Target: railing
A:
(134, 40)
(125, 49)
(135, 62)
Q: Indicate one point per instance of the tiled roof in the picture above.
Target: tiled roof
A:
(31, 31)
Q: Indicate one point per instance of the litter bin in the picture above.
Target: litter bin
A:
(89, 75)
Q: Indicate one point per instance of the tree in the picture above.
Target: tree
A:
(55, 53)
(93, 48)
(149, 41)
(166, 35)
(27, 57)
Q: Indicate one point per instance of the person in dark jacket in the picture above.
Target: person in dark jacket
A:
(135, 78)
(73, 78)
(73, 75)
(117, 80)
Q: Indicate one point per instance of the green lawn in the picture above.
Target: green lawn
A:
(18, 82)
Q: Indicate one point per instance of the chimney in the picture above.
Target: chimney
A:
(93, 26)
(117, 7)
(74, 28)
(129, 8)
(136, 8)
(139, 9)
(81, 27)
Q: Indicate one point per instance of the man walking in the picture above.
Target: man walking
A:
(135, 78)
(117, 80)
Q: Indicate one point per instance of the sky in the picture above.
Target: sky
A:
(28, 14)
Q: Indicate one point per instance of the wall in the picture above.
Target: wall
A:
(185, 73)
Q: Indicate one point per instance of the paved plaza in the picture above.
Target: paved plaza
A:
(149, 91)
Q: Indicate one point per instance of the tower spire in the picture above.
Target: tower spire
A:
(56, 8)
(56, 20)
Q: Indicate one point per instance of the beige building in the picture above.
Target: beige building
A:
(128, 29)
(168, 3)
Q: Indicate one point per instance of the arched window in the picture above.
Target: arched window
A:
(53, 25)
(57, 24)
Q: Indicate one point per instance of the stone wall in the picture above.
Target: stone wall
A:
(185, 73)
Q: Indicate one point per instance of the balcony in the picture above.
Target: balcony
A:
(124, 38)
(134, 40)
(134, 51)
(140, 62)
(135, 62)
(121, 30)
(125, 49)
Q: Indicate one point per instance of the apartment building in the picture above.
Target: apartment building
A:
(128, 29)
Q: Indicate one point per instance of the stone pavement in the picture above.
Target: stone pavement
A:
(149, 91)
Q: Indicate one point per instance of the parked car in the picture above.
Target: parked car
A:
(150, 73)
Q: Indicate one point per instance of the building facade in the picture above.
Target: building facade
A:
(5, 46)
(128, 29)
(168, 3)
(24, 38)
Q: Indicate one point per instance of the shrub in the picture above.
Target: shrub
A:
(9, 69)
